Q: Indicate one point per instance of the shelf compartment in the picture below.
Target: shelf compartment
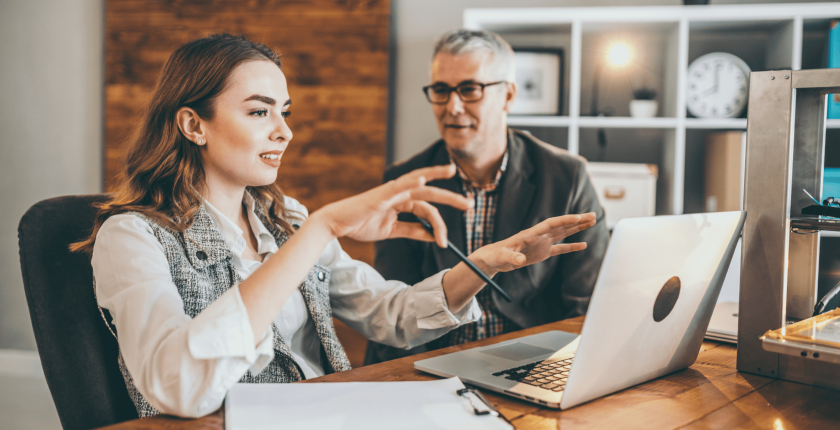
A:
(716, 123)
(651, 45)
(545, 36)
(831, 156)
(815, 43)
(625, 146)
(596, 122)
(626, 122)
(538, 121)
(736, 123)
(555, 136)
(696, 159)
(763, 45)
(645, 145)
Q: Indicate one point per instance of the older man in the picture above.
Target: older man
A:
(515, 180)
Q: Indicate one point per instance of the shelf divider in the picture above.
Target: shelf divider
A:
(574, 86)
(539, 120)
(716, 123)
(626, 122)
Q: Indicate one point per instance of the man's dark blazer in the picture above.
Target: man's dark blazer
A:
(540, 182)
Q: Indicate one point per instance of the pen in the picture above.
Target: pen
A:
(812, 197)
(467, 261)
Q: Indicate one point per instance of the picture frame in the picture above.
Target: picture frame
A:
(539, 80)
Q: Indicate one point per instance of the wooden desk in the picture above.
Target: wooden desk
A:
(709, 394)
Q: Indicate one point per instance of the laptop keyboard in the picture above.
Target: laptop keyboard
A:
(551, 375)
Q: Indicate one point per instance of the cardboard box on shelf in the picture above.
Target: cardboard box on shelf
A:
(725, 171)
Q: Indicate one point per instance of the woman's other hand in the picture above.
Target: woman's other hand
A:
(533, 245)
(372, 215)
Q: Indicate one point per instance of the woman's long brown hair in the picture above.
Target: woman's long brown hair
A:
(163, 169)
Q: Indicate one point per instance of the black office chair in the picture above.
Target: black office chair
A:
(78, 353)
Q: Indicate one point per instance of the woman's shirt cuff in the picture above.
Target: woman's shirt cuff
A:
(223, 329)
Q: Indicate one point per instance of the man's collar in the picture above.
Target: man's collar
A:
(499, 173)
(489, 187)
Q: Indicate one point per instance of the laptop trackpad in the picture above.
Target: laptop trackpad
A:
(517, 351)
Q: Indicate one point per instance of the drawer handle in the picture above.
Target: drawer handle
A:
(615, 193)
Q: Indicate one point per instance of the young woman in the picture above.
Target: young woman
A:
(210, 274)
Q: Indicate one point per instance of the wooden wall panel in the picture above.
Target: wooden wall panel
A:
(335, 55)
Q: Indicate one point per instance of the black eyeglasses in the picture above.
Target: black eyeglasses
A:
(468, 92)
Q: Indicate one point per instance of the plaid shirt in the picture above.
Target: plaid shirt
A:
(479, 222)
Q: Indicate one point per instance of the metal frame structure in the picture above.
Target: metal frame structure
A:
(785, 148)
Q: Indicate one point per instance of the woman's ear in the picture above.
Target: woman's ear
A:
(190, 125)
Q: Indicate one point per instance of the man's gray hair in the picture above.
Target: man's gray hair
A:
(463, 41)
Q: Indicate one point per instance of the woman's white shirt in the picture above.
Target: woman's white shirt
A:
(293, 321)
(184, 366)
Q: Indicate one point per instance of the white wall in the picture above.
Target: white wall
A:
(51, 80)
(416, 26)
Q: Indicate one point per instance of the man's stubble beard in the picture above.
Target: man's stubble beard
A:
(465, 154)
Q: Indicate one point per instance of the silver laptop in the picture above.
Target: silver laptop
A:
(655, 294)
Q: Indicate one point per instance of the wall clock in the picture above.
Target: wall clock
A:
(717, 86)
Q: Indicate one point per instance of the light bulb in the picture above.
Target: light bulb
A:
(619, 54)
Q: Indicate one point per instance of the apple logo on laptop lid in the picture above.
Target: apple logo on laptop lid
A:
(666, 299)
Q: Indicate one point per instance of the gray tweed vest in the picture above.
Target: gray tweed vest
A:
(202, 269)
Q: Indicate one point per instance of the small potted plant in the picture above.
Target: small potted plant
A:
(644, 103)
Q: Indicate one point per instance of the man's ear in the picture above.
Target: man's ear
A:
(190, 125)
(510, 95)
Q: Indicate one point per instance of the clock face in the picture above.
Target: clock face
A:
(717, 86)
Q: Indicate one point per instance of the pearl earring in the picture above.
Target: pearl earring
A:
(200, 141)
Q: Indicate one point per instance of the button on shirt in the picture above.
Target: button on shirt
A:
(184, 366)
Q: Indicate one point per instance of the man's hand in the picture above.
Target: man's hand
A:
(533, 245)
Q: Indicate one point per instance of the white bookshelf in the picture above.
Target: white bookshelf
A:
(716, 123)
(766, 36)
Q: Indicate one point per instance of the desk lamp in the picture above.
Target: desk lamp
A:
(618, 55)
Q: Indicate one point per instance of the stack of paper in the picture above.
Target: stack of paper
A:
(354, 405)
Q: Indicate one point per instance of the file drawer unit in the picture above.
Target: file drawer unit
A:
(625, 190)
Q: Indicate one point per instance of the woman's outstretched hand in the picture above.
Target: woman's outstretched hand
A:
(533, 245)
(372, 215)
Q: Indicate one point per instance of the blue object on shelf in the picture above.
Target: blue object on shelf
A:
(834, 62)
(831, 183)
